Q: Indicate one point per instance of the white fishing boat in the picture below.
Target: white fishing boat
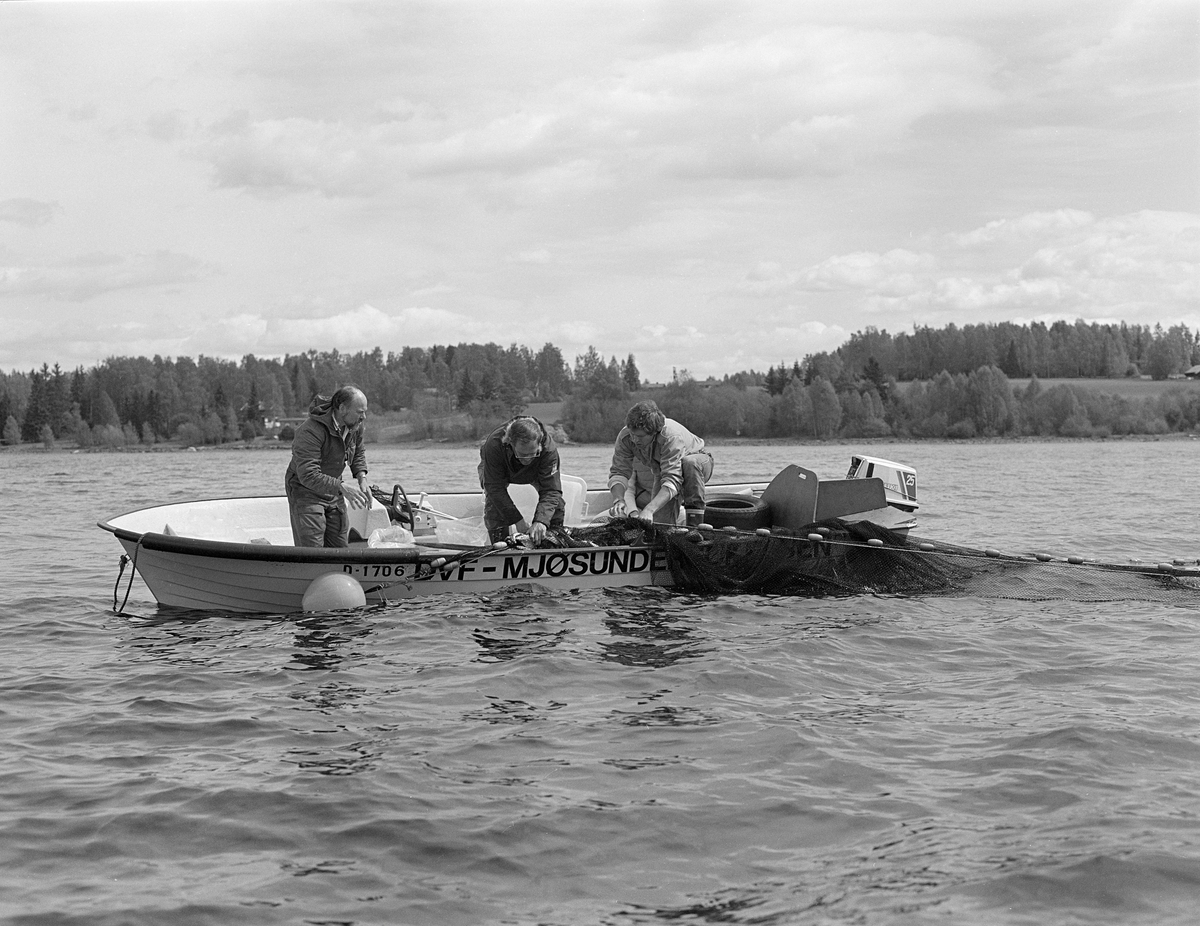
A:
(236, 554)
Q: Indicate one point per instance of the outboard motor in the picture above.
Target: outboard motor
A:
(899, 481)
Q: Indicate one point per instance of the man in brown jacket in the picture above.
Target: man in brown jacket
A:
(330, 438)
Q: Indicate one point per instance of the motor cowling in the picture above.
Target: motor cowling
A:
(899, 480)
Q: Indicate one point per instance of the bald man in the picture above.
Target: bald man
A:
(317, 498)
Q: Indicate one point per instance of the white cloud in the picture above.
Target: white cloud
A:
(28, 212)
(366, 327)
(895, 271)
(89, 275)
(1024, 228)
(1066, 261)
(735, 103)
(576, 333)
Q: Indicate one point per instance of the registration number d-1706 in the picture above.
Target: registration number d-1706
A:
(378, 570)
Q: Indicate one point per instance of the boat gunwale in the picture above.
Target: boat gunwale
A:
(281, 553)
(275, 553)
(232, 549)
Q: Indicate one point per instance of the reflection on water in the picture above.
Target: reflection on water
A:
(344, 759)
(217, 658)
(330, 697)
(321, 641)
(663, 715)
(666, 716)
(730, 908)
(511, 711)
(627, 764)
(185, 638)
(328, 643)
(648, 633)
(510, 639)
(512, 630)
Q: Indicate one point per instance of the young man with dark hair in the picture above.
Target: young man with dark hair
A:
(657, 465)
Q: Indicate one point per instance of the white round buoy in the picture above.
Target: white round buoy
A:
(815, 536)
(332, 592)
(927, 547)
(763, 532)
(1043, 557)
(1075, 560)
(874, 542)
(990, 552)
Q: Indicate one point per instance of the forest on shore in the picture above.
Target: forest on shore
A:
(953, 382)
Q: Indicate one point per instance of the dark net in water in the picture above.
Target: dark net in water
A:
(863, 558)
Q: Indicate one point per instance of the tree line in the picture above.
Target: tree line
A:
(1059, 351)
(136, 400)
(943, 383)
(982, 403)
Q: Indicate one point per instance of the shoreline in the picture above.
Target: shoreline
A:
(429, 444)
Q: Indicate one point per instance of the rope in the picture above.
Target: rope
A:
(820, 538)
(120, 572)
(467, 556)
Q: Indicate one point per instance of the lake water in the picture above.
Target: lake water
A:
(621, 757)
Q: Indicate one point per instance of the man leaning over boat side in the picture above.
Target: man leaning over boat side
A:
(652, 448)
(331, 437)
(520, 452)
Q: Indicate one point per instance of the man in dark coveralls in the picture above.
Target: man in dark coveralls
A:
(330, 438)
(520, 452)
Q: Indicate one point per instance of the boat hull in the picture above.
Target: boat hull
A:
(227, 577)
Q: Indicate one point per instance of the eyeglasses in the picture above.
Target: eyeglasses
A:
(526, 457)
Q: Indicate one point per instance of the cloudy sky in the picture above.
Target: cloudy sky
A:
(710, 186)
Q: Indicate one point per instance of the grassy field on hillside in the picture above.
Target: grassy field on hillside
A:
(397, 427)
(546, 412)
(1127, 388)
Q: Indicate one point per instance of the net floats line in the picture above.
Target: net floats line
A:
(821, 536)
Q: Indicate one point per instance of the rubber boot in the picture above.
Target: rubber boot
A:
(695, 518)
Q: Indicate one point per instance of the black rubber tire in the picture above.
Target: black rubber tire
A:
(745, 512)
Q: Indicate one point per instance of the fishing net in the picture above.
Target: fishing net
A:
(862, 558)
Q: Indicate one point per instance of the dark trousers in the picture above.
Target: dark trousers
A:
(697, 470)
(320, 524)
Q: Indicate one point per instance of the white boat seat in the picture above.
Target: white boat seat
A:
(574, 498)
(365, 520)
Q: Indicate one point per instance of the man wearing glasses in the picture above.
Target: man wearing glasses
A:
(520, 452)
(330, 438)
